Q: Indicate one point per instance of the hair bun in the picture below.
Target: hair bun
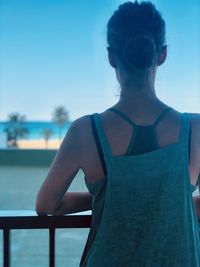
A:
(140, 51)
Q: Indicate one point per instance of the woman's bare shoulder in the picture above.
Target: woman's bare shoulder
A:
(79, 122)
(82, 131)
(78, 133)
(82, 124)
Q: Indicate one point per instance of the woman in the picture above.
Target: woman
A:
(141, 160)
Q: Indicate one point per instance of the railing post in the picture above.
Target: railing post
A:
(6, 247)
(52, 247)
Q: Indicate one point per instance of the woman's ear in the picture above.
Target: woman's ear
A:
(162, 56)
(111, 57)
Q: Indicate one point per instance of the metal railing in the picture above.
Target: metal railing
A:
(12, 220)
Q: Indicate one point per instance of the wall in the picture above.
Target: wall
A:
(26, 157)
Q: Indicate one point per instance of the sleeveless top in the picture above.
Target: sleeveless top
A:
(143, 212)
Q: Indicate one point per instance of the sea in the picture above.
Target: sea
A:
(35, 129)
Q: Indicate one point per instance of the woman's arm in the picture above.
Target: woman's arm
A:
(75, 202)
(196, 200)
(52, 197)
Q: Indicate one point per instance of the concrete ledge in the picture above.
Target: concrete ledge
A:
(26, 157)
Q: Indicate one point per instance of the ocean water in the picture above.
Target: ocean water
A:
(36, 129)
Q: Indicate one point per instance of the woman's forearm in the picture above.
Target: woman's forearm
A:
(74, 202)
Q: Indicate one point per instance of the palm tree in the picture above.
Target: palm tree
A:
(47, 133)
(15, 128)
(60, 117)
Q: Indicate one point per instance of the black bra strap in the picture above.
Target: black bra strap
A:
(99, 148)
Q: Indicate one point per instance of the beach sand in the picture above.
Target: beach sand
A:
(39, 144)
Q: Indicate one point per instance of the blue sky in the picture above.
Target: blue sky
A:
(53, 52)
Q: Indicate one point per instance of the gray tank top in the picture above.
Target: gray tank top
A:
(143, 212)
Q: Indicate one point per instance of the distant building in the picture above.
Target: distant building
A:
(3, 137)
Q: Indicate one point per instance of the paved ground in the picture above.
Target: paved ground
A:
(18, 188)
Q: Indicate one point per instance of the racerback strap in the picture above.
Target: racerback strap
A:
(162, 115)
(135, 124)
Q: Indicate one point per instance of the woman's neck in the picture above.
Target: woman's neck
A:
(137, 89)
(139, 83)
(138, 94)
(139, 100)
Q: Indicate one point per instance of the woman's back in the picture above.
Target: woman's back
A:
(144, 210)
(119, 134)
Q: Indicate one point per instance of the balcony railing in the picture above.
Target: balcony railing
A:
(12, 220)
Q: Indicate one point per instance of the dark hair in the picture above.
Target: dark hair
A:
(136, 33)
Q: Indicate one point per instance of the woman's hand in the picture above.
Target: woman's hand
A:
(75, 202)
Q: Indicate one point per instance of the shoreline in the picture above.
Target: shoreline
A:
(39, 144)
